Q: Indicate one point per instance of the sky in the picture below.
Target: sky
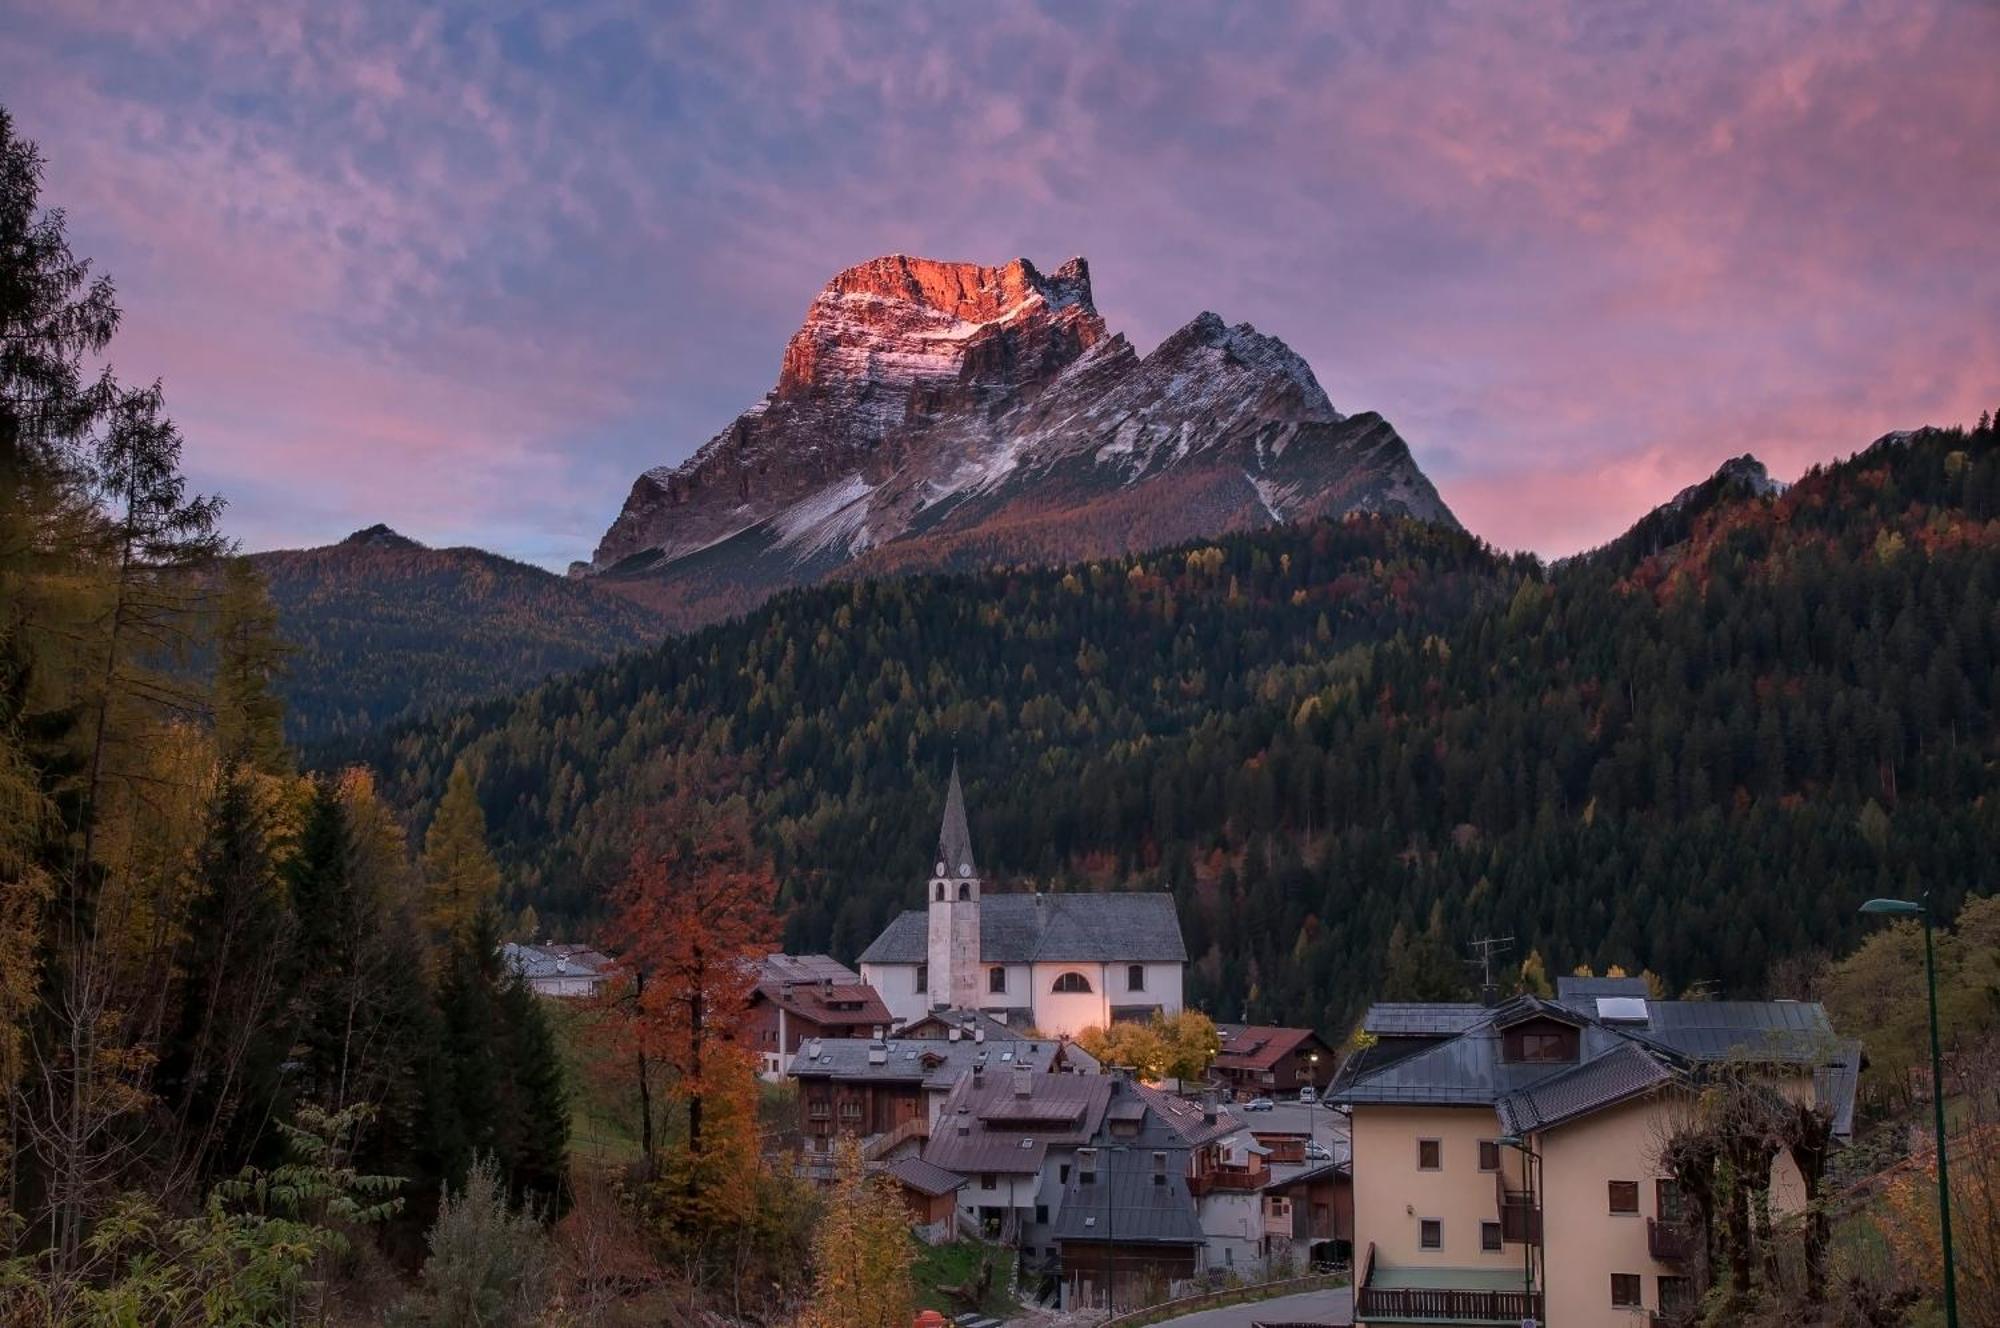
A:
(467, 268)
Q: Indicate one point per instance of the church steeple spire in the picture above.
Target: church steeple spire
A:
(954, 838)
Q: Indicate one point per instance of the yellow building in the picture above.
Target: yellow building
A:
(1506, 1162)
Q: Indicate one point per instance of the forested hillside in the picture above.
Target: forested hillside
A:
(1692, 756)
(384, 628)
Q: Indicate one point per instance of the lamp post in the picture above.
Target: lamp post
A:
(1528, 1159)
(1905, 908)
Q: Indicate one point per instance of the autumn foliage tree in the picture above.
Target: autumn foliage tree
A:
(861, 1250)
(693, 917)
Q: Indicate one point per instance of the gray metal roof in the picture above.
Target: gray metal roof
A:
(922, 1177)
(1617, 1058)
(1086, 927)
(1194, 1123)
(1421, 1019)
(806, 968)
(954, 837)
(1124, 1205)
(1006, 1123)
(928, 1061)
(535, 962)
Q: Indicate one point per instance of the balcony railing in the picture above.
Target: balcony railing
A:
(1520, 1217)
(1667, 1241)
(1441, 1305)
(1239, 1182)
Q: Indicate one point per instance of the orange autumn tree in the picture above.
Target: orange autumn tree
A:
(693, 918)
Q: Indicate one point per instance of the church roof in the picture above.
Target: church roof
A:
(1051, 928)
(954, 838)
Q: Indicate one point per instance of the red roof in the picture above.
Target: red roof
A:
(853, 1004)
(1258, 1046)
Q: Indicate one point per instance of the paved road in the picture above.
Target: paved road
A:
(1335, 1306)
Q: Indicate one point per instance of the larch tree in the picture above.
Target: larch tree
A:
(695, 916)
(861, 1250)
(460, 875)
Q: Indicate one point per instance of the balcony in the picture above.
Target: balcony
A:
(1520, 1216)
(1668, 1241)
(1446, 1305)
(1227, 1179)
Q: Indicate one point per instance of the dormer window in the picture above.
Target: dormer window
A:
(1543, 1047)
(1540, 1040)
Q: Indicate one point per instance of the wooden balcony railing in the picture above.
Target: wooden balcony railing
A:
(1443, 1305)
(1240, 1182)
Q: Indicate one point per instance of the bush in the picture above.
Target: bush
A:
(489, 1266)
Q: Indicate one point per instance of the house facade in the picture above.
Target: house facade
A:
(562, 971)
(1259, 1060)
(1056, 963)
(1485, 1137)
(801, 997)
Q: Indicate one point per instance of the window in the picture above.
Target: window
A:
(923, 977)
(940, 892)
(1544, 1047)
(987, 1181)
(850, 1110)
(1430, 1155)
(1625, 1290)
(1062, 1174)
(996, 979)
(1668, 1196)
(1430, 1234)
(1071, 983)
(1041, 1213)
(1135, 977)
(817, 1109)
(1489, 1237)
(1159, 1168)
(1676, 1295)
(1489, 1155)
(964, 890)
(1624, 1196)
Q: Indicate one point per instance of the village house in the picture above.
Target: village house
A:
(887, 1092)
(567, 971)
(1309, 1215)
(1056, 963)
(798, 997)
(1484, 1137)
(1258, 1060)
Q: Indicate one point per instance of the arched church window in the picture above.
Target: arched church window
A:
(1071, 984)
(964, 890)
(940, 893)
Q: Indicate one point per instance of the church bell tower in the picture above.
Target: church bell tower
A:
(953, 895)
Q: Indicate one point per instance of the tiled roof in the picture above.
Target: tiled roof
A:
(922, 1177)
(1194, 1123)
(1124, 1205)
(1257, 1046)
(1085, 927)
(1624, 1071)
(824, 1004)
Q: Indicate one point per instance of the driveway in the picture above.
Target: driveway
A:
(1335, 1306)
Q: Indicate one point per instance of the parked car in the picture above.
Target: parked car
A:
(1318, 1152)
(1259, 1104)
(1307, 1096)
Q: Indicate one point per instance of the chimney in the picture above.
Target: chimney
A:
(1024, 1084)
(1489, 995)
(955, 1033)
(878, 1032)
(979, 1035)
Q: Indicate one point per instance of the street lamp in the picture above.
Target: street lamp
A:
(1528, 1160)
(1904, 908)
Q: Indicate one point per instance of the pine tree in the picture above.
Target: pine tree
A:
(460, 876)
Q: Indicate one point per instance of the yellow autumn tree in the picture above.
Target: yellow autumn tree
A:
(861, 1251)
(1176, 1046)
(460, 876)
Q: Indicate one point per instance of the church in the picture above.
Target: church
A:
(1057, 963)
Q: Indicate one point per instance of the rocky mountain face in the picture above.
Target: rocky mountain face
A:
(933, 414)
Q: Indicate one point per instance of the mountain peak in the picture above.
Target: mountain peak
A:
(380, 536)
(1744, 474)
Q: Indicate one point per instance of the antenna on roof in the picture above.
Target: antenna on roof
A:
(1488, 948)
